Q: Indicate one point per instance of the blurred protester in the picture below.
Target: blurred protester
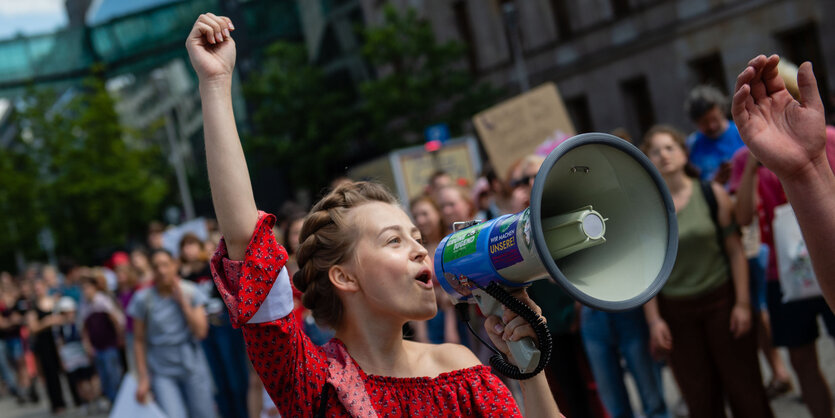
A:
(623, 134)
(142, 266)
(437, 181)
(194, 261)
(443, 328)
(609, 337)
(481, 199)
(102, 330)
(456, 205)
(223, 346)
(716, 138)
(521, 176)
(569, 377)
(155, 232)
(12, 309)
(793, 324)
(70, 285)
(169, 321)
(49, 274)
(74, 356)
(41, 319)
(126, 286)
(291, 228)
(499, 195)
(702, 316)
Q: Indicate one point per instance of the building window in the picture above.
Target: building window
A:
(578, 111)
(562, 18)
(803, 44)
(465, 32)
(709, 70)
(639, 110)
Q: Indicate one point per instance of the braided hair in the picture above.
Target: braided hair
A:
(327, 239)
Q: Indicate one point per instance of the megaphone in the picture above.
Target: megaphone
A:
(601, 224)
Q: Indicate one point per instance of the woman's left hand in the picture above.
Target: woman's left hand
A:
(511, 327)
(740, 319)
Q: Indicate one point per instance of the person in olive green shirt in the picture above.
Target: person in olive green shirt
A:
(701, 319)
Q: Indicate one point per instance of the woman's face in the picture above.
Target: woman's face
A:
(165, 269)
(427, 219)
(390, 264)
(293, 234)
(666, 154)
(521, 181)
(139, 260)
(191, 251)
(39, 287)
(453, 206)
(88, 290)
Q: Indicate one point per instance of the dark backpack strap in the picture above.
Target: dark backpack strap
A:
(710, 198)
(323, 401)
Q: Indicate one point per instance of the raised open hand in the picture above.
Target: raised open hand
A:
(211, 48)
(786, 135)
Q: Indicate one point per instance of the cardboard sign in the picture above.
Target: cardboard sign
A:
(516, 127)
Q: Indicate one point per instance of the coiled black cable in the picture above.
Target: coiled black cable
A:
(499, 360)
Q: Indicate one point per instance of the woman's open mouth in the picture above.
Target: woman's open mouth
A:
(425, 277)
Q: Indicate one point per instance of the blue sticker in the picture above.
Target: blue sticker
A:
(504, 250)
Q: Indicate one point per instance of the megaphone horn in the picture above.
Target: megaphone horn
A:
(601, 224)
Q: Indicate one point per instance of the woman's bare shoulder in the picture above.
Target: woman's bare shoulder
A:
(446, 357)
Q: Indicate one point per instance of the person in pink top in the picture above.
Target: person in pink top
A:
(796, 149)
(362, 270)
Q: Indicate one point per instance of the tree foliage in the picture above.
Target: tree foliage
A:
(311, 128)
(421, 81)
(301, 123)
(73, 169)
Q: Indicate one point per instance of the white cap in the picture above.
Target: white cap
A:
(65, 304)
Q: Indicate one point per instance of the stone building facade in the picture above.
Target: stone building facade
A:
(629, 63)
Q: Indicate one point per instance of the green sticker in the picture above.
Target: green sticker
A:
(462, 243)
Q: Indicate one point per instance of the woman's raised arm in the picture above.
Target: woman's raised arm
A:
(212, 53)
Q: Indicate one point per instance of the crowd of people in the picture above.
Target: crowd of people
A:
(342, 296)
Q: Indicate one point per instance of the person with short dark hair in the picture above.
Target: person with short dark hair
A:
(168, 323)
(716, 138)
(102, 330)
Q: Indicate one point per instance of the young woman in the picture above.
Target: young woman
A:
(75, 359)
(194, 263)
(702, 316)
(142, 266)
(169, 320)
(41, 320)
(362, 270)
(102, 330)
(443, 328)
(456, 205)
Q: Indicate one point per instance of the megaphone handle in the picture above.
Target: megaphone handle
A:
(524, 351)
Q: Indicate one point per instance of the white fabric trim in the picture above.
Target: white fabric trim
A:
(279, 302)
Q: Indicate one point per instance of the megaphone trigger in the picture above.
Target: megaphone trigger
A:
(529, 359)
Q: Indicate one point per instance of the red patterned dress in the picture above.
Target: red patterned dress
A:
(300, 376)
